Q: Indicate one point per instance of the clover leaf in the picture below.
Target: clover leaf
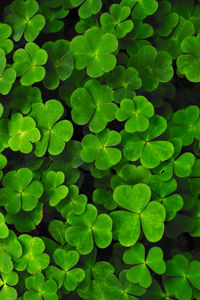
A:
(10, 249)
(94, 51)
(59, 64)
(153, 67)
(5, 43)
(121, 288)
(53, 135)
(124, 82)
(93, 104)
(22, 132)
(126, 223)
(104, 197)
(24, 19)
(24, 96)
(57, 230)
(136, 40)
(7, 281)
(66, 275)
(182, 273)
(139, 273)
(141, 8)
(185, 125)
(53, 187)
(53, 16)
(33, 259)
(26, 220)
(163, 191)
(40, 289)
(4, 231)
(73, 202)
(140, 145)
(7, 75)
(172, 43)
(86, 227)
(137, 112)
(99, 148)
(28, 64)
(180, 165)
(188, 63)
(166, 20)
(116, 22)
(22, 192)
(88, 7)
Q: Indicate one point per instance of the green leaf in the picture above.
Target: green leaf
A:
(53, 135)
(93, 50)
(59, 64)
(23, 20)
(28, 64)
(188, 63)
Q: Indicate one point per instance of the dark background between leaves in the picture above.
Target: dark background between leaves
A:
(184, 242)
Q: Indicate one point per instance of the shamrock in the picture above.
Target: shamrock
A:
(163, 191)
(93, 104)
(10, 249)
(153, 67)
(99, 148)
(57, 230)
(172, 43)
(166, 20)
(104, 197)
(126, 223)
(141, 8)
(59, 64)
(4, 232)
(116, 22)
(21, 191)
(33, 259)
(53, 187)
(139, 273)
(88, 8)
(40, 289)
(53, 15)
(156, 292)
(28, 64)
(181, 165)
(124, 82)
(5, 43)
(140, 145)
(85, 24)
(3, 163)
(182, 274)
(185, 125)
(86, 227)
(66, 275)
(121, 289)
(136, 40)
(7, 281)
(24, 96)
(74, 201)
(26, 220)
(93, 50)
(137, 112)
(23, 19)
(130, 174)
(188, 64)
(53, 136)
(68, 86)
(7, 75)
(22, 132)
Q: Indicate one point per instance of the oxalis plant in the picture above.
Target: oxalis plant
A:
(99, 150)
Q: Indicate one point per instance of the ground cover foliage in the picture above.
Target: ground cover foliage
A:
(99, 149)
